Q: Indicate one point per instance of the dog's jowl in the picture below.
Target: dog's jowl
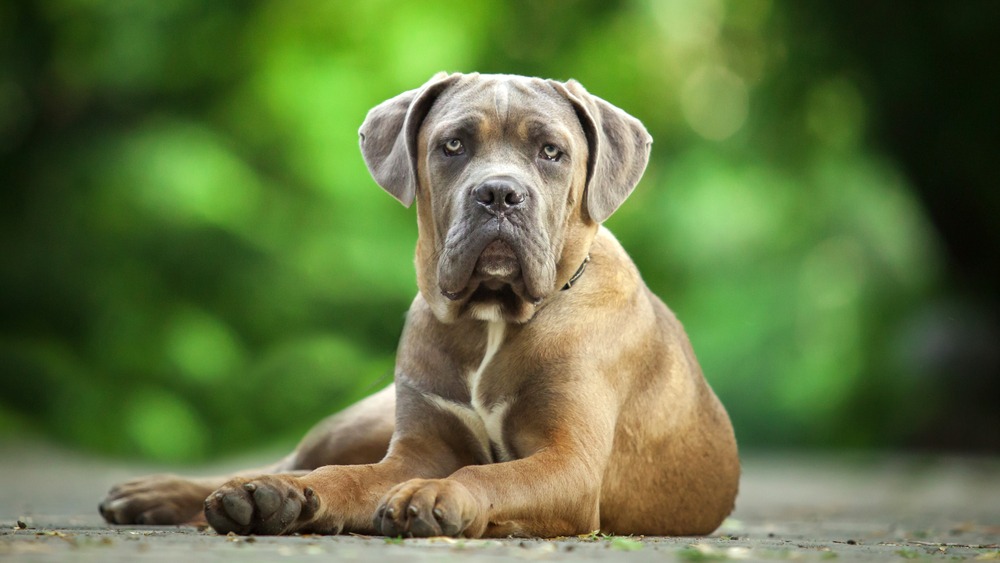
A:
(540, 388)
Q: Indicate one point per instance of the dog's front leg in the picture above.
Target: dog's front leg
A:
(555, 491)
(332, 499)
(533, 497)
(328, 500)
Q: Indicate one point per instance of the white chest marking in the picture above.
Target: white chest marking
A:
(485, 422)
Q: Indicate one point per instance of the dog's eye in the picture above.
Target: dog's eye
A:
(551, 152)
(453, 147)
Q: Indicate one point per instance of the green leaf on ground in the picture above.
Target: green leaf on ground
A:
(625, 544)
(693, 553)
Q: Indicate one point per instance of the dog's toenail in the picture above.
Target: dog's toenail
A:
(413, 510)
(249, 487)
(438, 513)
(390, 512)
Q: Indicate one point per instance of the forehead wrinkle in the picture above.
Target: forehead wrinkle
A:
(534, 128)
(486, 108)
(539, 128)
(467, 123)
(501, 101)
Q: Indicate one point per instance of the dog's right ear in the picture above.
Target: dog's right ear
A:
(388, 137)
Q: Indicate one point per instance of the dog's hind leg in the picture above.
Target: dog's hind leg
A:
(359, 434)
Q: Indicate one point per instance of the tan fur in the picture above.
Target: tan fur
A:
(524, 411)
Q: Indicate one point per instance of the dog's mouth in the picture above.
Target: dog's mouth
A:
(497, 266)
(489, 263)
(494, 275)
(496, 282)
(496, 288)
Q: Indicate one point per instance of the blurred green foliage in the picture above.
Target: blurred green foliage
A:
(195, 259)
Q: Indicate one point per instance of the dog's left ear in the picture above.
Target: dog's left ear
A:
(388, 137)
(619, 149)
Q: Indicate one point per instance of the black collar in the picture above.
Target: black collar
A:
(579, 272)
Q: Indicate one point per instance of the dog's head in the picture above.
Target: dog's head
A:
(512, 176)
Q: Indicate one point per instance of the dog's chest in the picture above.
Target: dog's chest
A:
(485, 414)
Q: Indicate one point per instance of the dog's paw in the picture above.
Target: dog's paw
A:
(265, 505)
(153, 500)
(425, 508)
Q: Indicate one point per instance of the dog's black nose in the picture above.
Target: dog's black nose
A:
(498, 195)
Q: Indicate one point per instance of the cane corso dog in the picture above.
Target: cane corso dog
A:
(541, 389)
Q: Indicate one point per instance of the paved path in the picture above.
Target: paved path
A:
(792, 506)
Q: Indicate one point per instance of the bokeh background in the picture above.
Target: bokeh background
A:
(196, 262)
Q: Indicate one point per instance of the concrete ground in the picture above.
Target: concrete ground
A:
(801, 506)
